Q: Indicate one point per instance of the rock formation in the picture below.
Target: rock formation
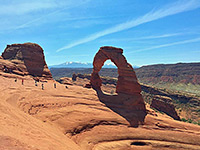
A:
(65, 80)
(75, 119)
(75, 76)
(164, 104)
(129, 102)
(26, 59)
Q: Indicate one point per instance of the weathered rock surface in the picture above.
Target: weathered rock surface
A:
(186, 104)
(187, 73)
(65, 80)
(78, 75)
(164, 104)
(105, 80)
(75, 119)
(129, 102)
(127, 80)
(159, 101)
(25, 59)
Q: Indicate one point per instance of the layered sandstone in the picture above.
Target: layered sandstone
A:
(128, 102)
(75, 119)
(25, 59)
(65, 80)
(164, 104)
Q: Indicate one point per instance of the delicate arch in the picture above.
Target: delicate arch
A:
(127, 81)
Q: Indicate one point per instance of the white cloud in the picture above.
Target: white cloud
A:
(22, 7)
(25, 7)
(159, 36)
(145, 37)
(175, 8)
(25, 14)
(166, 45)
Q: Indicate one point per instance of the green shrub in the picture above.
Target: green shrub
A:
(190, 120)
(183, 119)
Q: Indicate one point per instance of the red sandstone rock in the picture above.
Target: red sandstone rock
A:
(88, 86)
(164, 104)
(127, 81)
(129, 102)
(26, 59)
(75, 119)
(65, 80)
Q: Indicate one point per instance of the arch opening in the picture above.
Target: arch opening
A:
(109, 77)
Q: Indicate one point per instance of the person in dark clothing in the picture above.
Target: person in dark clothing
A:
(22, 81)
(54, 85)
(42, 86)
(5, 69)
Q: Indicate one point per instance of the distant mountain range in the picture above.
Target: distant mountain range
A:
(82, 65)
(79, 65)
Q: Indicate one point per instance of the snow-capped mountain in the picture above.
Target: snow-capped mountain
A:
(79, 65)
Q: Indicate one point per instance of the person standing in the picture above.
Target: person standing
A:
(54, 85)
(42, 86)
(22, 81)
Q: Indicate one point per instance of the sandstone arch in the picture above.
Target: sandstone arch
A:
(129, 102)
(127, 80)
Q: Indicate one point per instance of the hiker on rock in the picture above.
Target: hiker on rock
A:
(5, 69)
(22, 81)
(54, 85)
(42, 86)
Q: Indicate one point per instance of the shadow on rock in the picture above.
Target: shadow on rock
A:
(127, 106)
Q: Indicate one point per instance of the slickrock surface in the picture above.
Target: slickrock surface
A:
(25, 59)
(159, 102)
(128, 102)
(75, 119)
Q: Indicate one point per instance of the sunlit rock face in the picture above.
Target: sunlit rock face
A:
(129, 101)
(27, 59)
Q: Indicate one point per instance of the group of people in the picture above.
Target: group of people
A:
(36, 83)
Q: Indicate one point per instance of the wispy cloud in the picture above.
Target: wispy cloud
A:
(145, 37)
(34, 12)
(166, 45)
(27, 24)
(159, 36)
(172, 9)
(25, 7)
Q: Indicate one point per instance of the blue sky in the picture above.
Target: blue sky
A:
(149, 31)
